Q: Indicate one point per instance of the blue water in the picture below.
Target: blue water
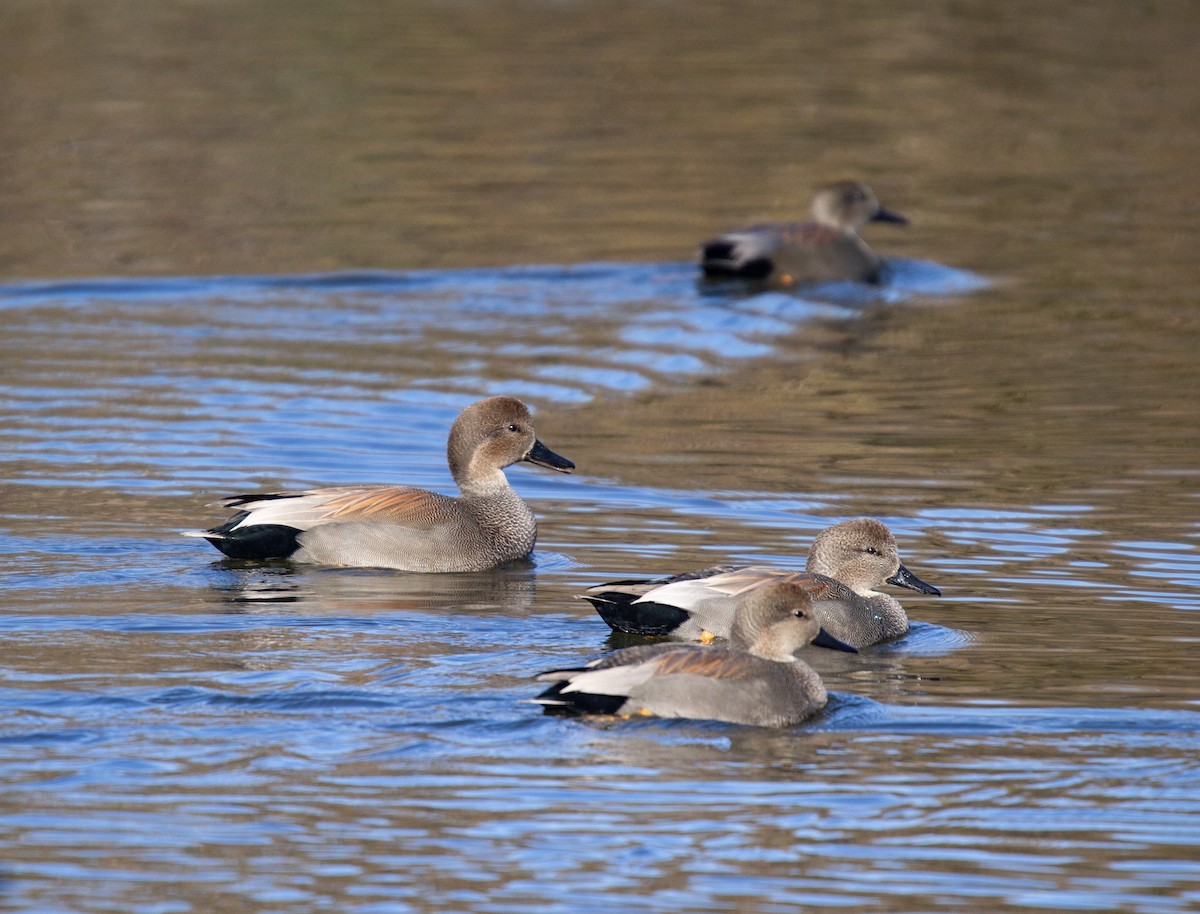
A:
(183, 733)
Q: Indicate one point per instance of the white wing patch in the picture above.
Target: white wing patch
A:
(616, 680)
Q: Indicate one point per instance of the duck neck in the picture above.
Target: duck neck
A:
(768, 649)
(504, 517)
(484, 485)
(763, 643)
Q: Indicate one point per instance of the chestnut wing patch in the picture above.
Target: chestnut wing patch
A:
(391, 504)
(716, 663)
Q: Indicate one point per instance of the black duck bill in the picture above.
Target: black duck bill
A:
(544, 457)
(887, 215)
(824, 639)
(905, 578)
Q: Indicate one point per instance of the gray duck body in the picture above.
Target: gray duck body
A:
(756, 680)
(828, 248)
(402, 527)
(846, 563)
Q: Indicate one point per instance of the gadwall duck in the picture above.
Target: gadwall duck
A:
(756, 680)
(401, 527)
(846, 564)
(825, 249)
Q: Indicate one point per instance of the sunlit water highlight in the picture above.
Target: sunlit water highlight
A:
(183, 733)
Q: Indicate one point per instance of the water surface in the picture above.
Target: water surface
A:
(245, 249)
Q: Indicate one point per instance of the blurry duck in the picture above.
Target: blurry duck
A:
(825, 249)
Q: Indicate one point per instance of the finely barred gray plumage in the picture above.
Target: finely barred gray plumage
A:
(846, 563)
(401, 527)
(756, 679)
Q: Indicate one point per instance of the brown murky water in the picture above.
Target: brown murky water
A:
(248, 246)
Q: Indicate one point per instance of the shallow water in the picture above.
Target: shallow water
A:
(431, 203)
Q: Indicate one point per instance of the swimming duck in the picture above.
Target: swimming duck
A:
(387, 526)
(846, 564)
(825, 249)
(756, 679)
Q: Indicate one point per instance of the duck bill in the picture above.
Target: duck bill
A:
(824, 639)
(886, 215)
(544, 457)
(905, 578)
